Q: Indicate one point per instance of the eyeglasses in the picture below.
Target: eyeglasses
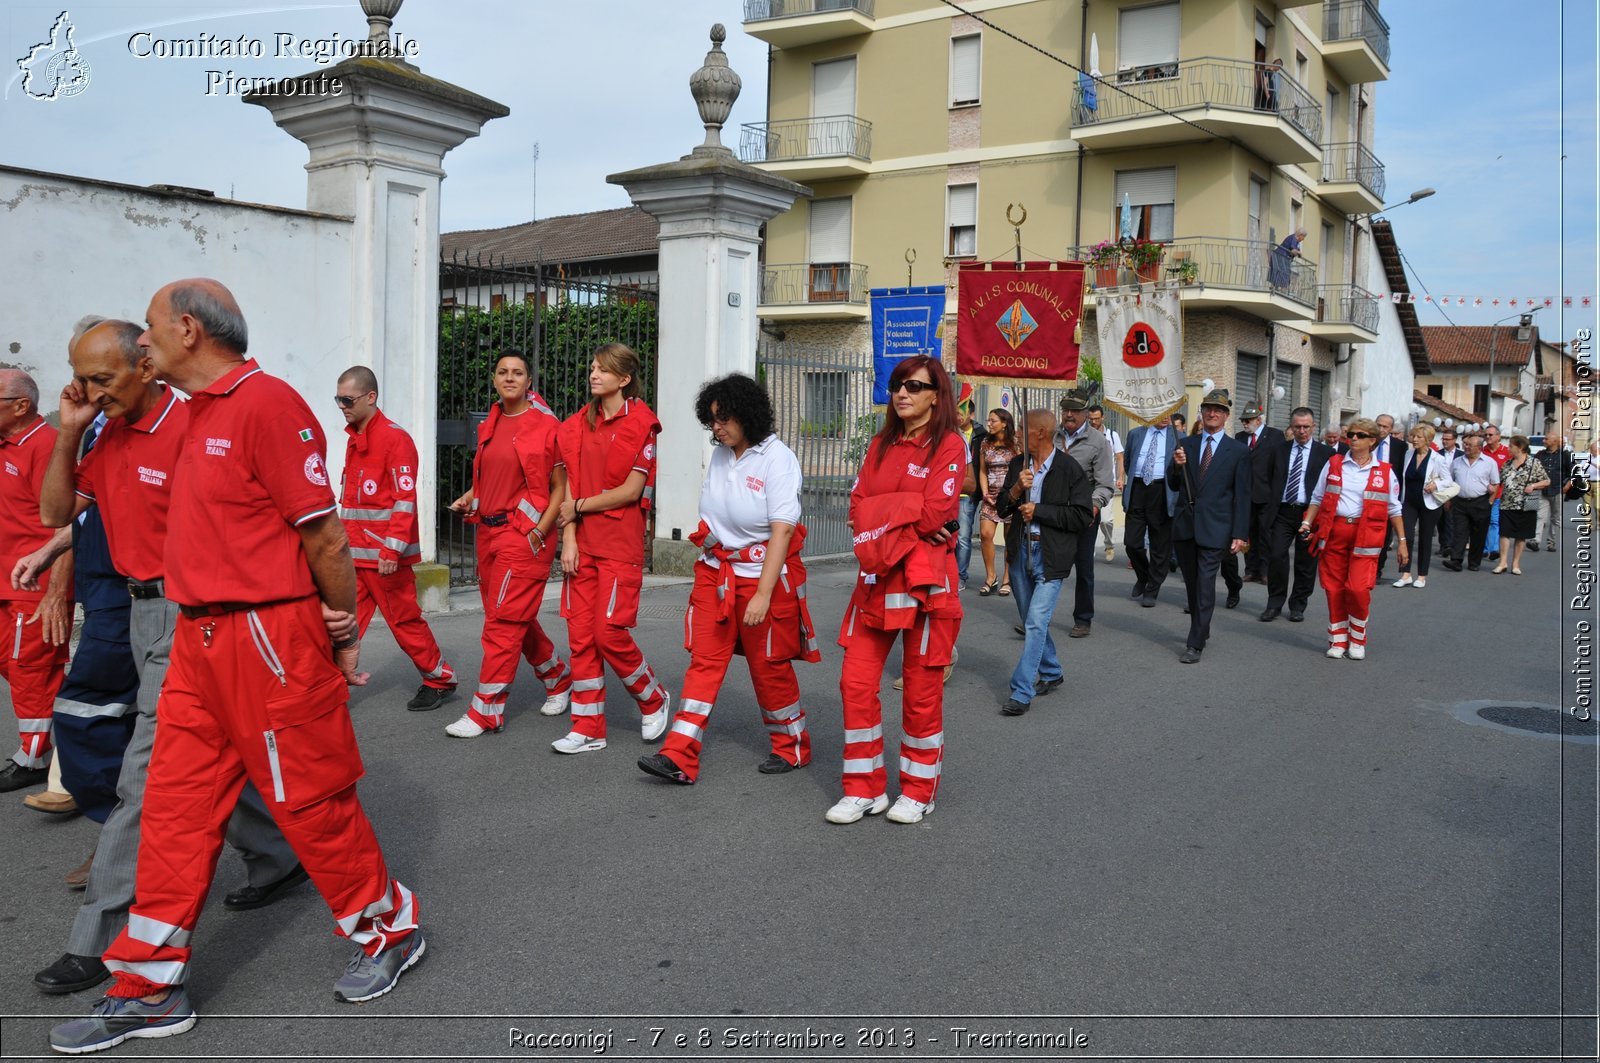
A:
(345, 401)
(1358, 435)
(915, 387)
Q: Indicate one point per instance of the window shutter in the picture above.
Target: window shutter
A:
(1247, 380)
(833, 88)
(964, 73)
(963, 205)
(1147, 36)
(1283, 376)
(830, 230)
(1317, 393)
(1147, 187)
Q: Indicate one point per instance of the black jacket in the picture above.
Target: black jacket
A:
(1260, 459)
(1066, 507)
(1278, 474)
(980, 435)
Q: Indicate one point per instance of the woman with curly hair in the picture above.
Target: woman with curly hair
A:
(903, 509)
(749, 584)
(608, 449)
(998, 450)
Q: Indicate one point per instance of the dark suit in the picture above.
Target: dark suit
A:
(1213, 510)
(1282, 520)
(1148, 510)
(1254, 563)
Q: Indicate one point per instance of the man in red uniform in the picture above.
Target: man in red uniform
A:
(33, 658)
(257, 560)
(378, 503)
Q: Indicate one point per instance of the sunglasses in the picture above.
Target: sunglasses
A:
(915, 387)
(345, 401)
(1358, 435)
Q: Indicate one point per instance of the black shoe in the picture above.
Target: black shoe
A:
(1190, 655)
(1494, 555)
(14, 776)
(71, 974)
(1473, 568)
(1045, 686)
(1148, 601)
(242, 900)
(1269, 614)
(1452, 564)
(1533, 548)
(773, 765)
(427, 698)
(1138, 591)
(661, 766)
(1232, 602)
(1296, 616)
(1019, 629)
(1013, 707)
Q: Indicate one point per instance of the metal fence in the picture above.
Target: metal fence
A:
(555, 315)
(798, 283)
(1353, 162)
(1226, 262)
(760, 10)
(1349, 20)
(1209, 82)
(806, 138)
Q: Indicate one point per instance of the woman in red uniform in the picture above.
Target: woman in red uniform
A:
(517, 483)
(609, 449)
(903, 510)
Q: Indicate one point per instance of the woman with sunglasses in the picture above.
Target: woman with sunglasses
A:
(517, 483)
(749, 584)
(1354, 504)
(903, 509)
(609, 450)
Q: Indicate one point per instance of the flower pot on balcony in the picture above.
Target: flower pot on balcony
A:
(1148, 274)
(1105, 276)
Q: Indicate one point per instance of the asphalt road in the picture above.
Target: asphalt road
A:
(1265, 854)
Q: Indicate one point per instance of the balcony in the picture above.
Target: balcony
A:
(794, 23)
(808, 291)
(1355, 41)
(1346, 313)
(1269, 112)
(1352, 178)
(1247, 275)
(810, 149)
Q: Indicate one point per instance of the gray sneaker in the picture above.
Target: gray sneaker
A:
(115, 1019)
(368, 977)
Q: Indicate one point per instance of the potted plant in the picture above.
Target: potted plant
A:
(1102, 258)
(1188, 271)
(1144, 258)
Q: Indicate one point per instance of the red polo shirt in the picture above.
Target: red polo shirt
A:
(601, 458)
(24, 456)
(250, 472)
(128, 475)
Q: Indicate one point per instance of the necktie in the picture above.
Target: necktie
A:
(1147, 468)
(1252, 442)
(1205, 457)
(1297, 472)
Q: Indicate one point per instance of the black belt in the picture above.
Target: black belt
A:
(144, 590)
(195, 612)
(495, 521)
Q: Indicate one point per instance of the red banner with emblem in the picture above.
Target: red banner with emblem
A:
(1019, 321)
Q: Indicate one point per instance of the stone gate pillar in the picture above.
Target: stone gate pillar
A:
(711, 208)
(378, 130)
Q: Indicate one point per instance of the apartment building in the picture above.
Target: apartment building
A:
(919, 127)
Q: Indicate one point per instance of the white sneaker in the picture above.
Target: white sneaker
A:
(653, 725)
(1358, 651)
(573, 742)
(906, 810)
(850, 809)
(1403, 581)
(555, 704)
(1422, 581)
(1335, 652)
(466, 727)
(1110, 553)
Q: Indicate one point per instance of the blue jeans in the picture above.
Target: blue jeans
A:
(969, 522)
(1492, 543)
(1036, 605)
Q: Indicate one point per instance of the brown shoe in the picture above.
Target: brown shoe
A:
(78, 877)
(52, 803)
(1079, 631)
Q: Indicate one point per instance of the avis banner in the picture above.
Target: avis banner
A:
(905, 321)
(1141, 352)
(1019, 321)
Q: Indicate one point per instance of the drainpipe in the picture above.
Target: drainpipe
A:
(1083, 61)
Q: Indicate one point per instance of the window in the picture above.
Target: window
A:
(1317, 392)
(497, 300)
(963, 224)
(1435, 391)
(1332, 112)
(1296, 215)
(1152, 195)
(1247, 379)
(825, 397)
(1300, 67)
(965, 69)
(1480, 399)
(1327, 245)
(830, 250)
(1284, 375)
(1147, 43)
(833, 87)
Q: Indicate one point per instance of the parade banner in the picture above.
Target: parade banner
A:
(905, 321)
(1019, 321)
(1141, 352)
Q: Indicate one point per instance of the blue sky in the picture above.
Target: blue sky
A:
(1477, 107)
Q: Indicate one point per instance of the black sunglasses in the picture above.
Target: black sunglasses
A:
(1358, 435)
(915, 387)
(345, 401)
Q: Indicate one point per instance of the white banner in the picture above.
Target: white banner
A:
(1141, 351)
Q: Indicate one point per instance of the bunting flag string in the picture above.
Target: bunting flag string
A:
(1567, 301)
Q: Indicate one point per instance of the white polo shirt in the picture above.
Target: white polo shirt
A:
(1477, 478)
(739, 500)
(1354, 486)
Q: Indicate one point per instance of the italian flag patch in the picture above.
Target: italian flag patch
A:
(305, 435)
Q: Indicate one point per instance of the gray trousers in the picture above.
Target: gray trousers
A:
(267, 857)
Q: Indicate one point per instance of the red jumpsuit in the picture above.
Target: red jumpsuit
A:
(252, 691)
(1349, 550)
(378, 504)
(511, 484)
(879, 612)
(714, 630)
(33, 669)
(601, 600)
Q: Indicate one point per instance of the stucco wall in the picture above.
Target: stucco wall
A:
(1383, 380)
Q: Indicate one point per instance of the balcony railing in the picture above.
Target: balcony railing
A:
(1350, 20)
(802, 283)
(1348, 304)
(1209, 82)
(1246, 265)
(760, 10)
(1353, 162)
(838, 135)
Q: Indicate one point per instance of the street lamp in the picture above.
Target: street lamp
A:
(1524, 333)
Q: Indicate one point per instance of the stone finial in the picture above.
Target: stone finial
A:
(380, 19)
(714, 87)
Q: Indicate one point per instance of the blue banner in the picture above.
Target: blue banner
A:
(905, 321)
